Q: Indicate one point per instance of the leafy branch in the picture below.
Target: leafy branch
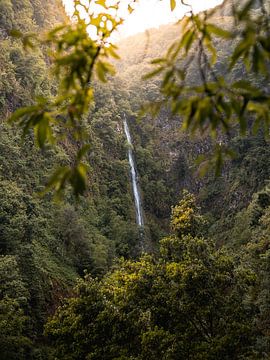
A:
(216, 105)
(76, 59)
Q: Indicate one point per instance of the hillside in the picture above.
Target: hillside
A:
(166, 156)
(45, 245)
(74, 282)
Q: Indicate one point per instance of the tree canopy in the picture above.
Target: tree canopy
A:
(190, 303)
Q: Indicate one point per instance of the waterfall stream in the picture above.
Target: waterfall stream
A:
(135, 187)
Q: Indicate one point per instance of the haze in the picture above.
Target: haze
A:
(153, 13)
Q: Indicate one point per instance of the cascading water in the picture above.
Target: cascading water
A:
(135, 187)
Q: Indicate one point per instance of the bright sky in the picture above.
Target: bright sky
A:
(153, 13)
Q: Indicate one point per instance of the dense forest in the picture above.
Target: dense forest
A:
(79, 278)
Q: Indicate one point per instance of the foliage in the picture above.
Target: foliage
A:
(14, 342)
(53, 243)
(194, 299)
(191, 304)
(184, 218)
(214, 104)
(76, 59)
(254, 249)
(14, 345)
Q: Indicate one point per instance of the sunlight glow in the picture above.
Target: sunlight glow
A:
(149, 13)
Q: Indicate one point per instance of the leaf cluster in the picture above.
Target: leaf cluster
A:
(76, 59)
(215, 105)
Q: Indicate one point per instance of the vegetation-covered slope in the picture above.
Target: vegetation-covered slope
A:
(44, 245)
(166, 155)
(181, 302)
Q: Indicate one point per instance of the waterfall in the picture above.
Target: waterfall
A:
(135, 187)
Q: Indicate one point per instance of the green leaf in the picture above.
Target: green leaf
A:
(41, 131)
(102, 3)
(243, 48)
(19, 113)
(78, 179)
(213, 29)
(57, 181)
(153, 73)
(173, 4)
(83, 151)
(212, 50)
(188, 39)
(244, 85)
(158, 61)
(102, 69)
(245, 10)
(112, 52)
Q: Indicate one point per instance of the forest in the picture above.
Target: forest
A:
(172, 123)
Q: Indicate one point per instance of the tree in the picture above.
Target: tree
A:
(14, 220)
(213, 104)
(14, 342)
(190, 303)
(185, 218)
